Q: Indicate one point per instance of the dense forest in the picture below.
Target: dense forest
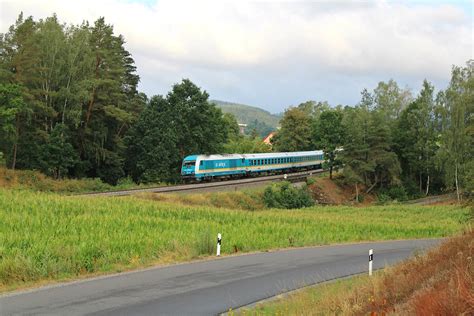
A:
(69, 107)
(394, 142)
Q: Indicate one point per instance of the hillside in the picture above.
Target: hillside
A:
(247, 114)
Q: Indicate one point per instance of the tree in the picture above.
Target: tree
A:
(355, 154)
(58, 155)
(79, 77)
(246, 144)
(258, 128)
(385, 164)
(152, 152)
(456, 141)
(13, 109)
(329, 135)
(171, 128)
(232, 127)
(415, 139)
(295, 132)
(390, 99)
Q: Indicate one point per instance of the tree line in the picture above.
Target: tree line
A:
(69, 106)
(392, 140)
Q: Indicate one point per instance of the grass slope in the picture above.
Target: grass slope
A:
(246, 114)
(438, 283)
(36, 181)
(45, 236)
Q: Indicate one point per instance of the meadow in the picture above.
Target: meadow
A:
(46, 236)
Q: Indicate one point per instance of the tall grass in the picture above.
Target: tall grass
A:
(243, 200)
(47, 236)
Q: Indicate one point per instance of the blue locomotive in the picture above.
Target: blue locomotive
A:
(207, 167)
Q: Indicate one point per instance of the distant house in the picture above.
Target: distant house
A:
(242, 128)
(268, 138)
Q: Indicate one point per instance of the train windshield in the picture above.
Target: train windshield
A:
(188, 164)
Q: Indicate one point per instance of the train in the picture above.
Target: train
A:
(209, 167)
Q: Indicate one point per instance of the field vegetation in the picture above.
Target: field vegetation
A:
(46, 236)
(438, 283)
(37, 181)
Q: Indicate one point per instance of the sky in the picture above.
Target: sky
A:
(274, 54)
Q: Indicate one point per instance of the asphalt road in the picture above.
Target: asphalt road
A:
(207, 287)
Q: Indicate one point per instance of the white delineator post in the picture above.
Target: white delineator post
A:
(371, 258)
(219, 239)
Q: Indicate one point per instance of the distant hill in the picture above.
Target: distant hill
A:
(248, 114)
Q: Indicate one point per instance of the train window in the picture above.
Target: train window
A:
(201, 163)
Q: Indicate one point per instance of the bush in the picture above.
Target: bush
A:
(383, 198)
(285, 195)
(397, 193)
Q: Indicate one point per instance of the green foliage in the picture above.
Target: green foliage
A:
(456, 110)
(383, 198)
(259, 128)
(171, 128)
(398, 193)
(13, 110)
(295, 132)
(233, 131)
(58, 155)
(70, 236)
(328, 135)
(246, 144)
(285, 195)
(77, 79)
(415, 140)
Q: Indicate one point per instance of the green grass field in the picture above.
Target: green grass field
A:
(45, 236)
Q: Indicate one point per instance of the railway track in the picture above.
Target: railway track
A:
(292, 177)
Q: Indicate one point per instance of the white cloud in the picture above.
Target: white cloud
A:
(268, 38)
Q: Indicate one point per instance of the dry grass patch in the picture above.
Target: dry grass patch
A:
(240, 200)
(440, 282)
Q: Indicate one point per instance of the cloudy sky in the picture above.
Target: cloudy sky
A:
(278, 53)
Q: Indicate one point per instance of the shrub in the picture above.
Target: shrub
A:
(285, 195)
(397, 193)
(383, 198)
